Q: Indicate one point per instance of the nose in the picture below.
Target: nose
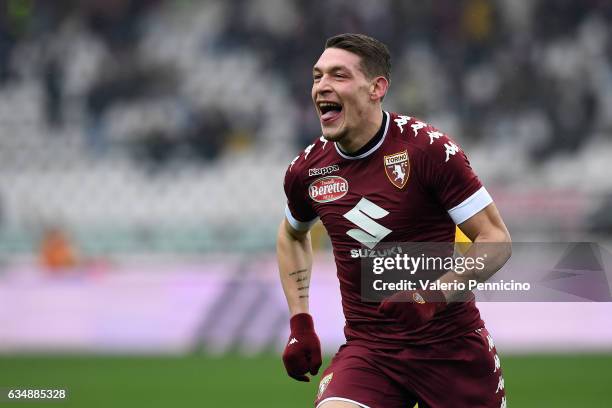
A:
(323, 85)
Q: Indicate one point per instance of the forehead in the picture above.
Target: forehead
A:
(335, 57)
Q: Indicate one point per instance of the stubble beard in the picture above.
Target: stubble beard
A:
(336, 136)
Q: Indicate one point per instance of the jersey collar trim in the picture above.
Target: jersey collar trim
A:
(372, 150)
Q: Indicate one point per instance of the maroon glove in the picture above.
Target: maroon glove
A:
(413, 308)
(303, 351)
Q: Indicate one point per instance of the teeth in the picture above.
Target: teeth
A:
(328, 105)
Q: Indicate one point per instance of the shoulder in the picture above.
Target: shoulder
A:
(425, 141)
(308, 159)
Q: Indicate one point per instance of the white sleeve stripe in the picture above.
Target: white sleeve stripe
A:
(470, 206)
(359, 404)
(298, 225)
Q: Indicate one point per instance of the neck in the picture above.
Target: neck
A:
(363, 134)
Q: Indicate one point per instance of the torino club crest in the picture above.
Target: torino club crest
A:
(397, 168)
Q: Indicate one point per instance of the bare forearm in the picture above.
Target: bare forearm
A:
(493, 252)
(294, 254)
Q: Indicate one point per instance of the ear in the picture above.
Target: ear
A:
(378, 88)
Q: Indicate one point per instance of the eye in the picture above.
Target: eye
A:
(316, 77)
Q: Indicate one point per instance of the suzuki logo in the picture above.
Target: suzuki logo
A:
(363, 215)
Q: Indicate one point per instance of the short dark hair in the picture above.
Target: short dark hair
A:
(375, 57)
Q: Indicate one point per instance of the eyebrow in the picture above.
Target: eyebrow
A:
(333, 68)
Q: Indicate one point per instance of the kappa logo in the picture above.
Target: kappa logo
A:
(308, 150)
(416, 126)
(401, 121)
(500, 384)
(293, 341)
(450, 149)
(397, 168)
(293, 162)
(324, 141)
(323, 171)
(434, 134)
(326, 189)
(324, 383)
(497, 363)
(490, 342)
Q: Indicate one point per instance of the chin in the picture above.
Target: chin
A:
(334, 135)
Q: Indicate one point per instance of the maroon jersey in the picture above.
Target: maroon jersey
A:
(414, 185)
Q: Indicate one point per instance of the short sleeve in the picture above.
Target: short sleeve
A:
(448, 174)
(298, 210)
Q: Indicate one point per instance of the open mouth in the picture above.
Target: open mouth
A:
(330, 111)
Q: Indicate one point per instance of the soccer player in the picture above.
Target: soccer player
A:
(376, 177)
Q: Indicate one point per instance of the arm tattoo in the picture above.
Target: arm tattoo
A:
(298, 271)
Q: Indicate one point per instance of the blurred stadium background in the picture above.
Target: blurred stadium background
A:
(142, 149)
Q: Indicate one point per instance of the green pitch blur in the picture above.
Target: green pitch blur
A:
(234, 381)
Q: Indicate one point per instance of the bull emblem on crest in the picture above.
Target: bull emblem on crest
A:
(397, 168)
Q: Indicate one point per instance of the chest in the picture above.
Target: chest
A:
(372, 200)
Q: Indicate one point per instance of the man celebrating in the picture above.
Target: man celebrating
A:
(376, 177)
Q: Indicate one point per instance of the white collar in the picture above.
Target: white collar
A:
(372, 150)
